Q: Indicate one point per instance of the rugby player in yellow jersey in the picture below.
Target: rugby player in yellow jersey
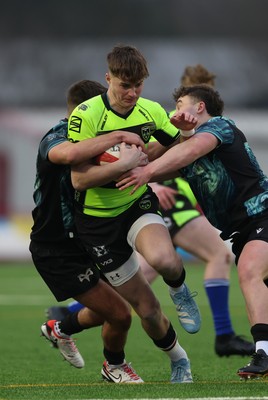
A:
(59, 257)
(112, 224)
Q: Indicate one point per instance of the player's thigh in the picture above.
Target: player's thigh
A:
(105, 301)
(139, 294)
(200, 238)
(149, 272)
(253, 262)
(154, 243)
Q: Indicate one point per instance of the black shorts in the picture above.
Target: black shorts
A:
(106, 238)
(67, 270)
(256, 228)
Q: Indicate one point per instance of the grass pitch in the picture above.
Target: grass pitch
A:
(31, 369)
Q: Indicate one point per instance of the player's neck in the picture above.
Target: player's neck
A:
(117, 107)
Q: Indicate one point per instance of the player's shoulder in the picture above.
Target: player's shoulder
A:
(95, 103)
(56, 135)
(151, 106)
(147, 102)
(58, 130)
(221, 127)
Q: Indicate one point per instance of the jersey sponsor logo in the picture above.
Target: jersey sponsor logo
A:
(82, 107)
(258, 230)
(147, 131)
(99, 251)
(75, 124)
(86, 275)
(106, 262)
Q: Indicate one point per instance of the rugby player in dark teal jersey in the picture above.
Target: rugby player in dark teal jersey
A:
(58, 255)
(112, 224)
(232, 191)
(191, 231)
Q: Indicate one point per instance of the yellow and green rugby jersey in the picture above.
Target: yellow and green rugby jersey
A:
(95, 117)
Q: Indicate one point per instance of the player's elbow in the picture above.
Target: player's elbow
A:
(79, 186)
(72, 156)
(78, 183)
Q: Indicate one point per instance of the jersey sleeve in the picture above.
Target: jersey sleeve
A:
(220, 127)
(166, 133)
(80, 126)
(55, 136)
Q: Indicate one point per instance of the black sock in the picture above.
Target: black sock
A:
(70, 324)
(168, 341)
(178, 282)
(114, 358)
(259, 332)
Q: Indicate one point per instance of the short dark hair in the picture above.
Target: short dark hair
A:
(127, 63)
(211, 98)
(83, 90)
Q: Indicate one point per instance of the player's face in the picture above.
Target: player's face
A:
(123, 95)
(187, 104)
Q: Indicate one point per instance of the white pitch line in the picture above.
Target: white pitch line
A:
(24, 300)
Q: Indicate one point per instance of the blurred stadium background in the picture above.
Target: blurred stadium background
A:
(47, 46)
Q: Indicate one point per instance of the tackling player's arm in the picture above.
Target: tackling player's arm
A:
(75, 153)
(175, 158)
(88, 175)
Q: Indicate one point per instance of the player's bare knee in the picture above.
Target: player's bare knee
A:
(125, 323)
(247, 275)
(122, 320)
(227, 256)
(152, 315)
(167, 264)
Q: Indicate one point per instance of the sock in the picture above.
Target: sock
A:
(262, 345)
(114, 358)
(174, 290)
(170, 345)
(70, 324)
(178, 283)
(218, 291)
(259, 333)
(74, 306)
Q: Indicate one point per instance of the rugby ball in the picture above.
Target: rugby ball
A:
(109, 156)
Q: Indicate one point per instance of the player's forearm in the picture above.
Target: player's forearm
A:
(155, 150)
(160, 177)
(90, 148)
(90, 176)
(172, 160)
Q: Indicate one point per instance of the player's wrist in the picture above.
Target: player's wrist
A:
(187, 134)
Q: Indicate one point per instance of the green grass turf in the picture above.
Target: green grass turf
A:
(30, 369)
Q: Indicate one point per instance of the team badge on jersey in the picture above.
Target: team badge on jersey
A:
(147, 131)
(145, 204)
